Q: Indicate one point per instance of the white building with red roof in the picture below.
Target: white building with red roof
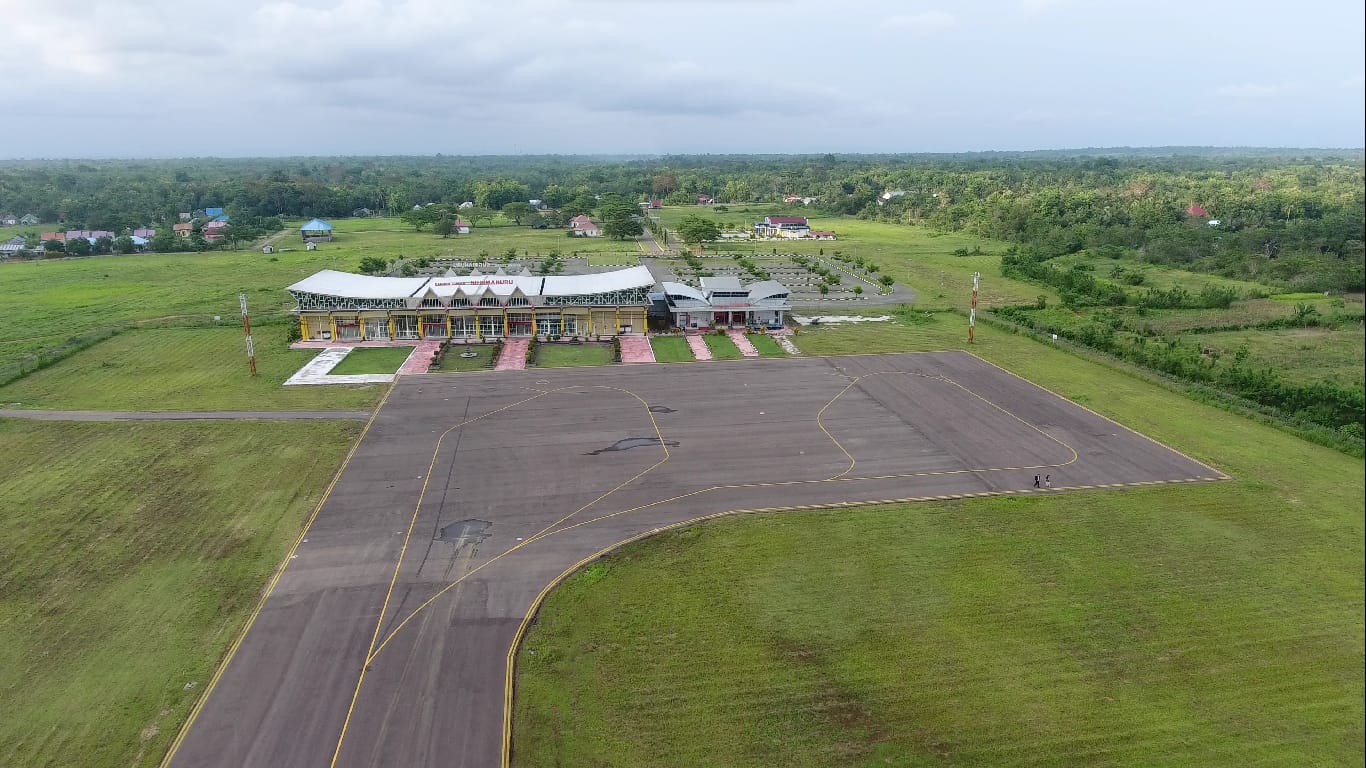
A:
(583, 226)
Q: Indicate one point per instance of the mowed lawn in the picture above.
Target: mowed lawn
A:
(671, 349)
(722, 348)
(170, 369)
(766, 345)
(372, 360)
(559, 355)
(1198, 626)
(132, 554)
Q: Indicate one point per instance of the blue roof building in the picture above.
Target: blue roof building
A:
(213, 211)
(317, 230)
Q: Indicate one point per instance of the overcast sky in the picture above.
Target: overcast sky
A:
(159, 78)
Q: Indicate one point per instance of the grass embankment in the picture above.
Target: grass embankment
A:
(722, 348)
(372, 360)
(132, 556)
(452, 362)
(561, 355)
(1212, 625)
(174, 369)
(671, 349)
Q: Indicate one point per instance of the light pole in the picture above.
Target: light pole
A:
(972, 311)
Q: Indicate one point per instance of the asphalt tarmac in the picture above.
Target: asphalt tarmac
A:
(387, 639)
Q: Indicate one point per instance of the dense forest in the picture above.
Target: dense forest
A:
(1287, 217)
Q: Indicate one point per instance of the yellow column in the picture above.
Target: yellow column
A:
(332, 322)
(617, 312)
(505, 323)
(360, 320)
(303, 327)
(390, 315)
(448, 325)
(590, 320)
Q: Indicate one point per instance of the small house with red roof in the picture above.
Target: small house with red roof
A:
(705, 199)
(59, 237)
(822, 234)
(1197, 212)
(582, 226)
(183, 229)
(145, 232)
(461, 226)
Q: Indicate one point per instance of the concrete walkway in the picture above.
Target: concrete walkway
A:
(784, 339)
(316, 371)
(699, 347)
(352, 344)
(636, 349)
(35, 415)
(742, 341)
(513, 357)
(420, 361)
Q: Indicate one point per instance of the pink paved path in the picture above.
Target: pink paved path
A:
(331, 344)
(636, 349)
(421, 358)
(742, 341)
(513, 357)
(700, 350)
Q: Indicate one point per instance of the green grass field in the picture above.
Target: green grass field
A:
(1214, 625)
(554, 355)
(372, 360)
(453, 362)
(722, 348)
(914, 256)
(766, 345)
(63, 298)
(170, 369)
(1303, 355)
(132, 556)
(671, 349)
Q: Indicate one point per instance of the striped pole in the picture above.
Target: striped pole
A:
(246, 327)
(972, 313)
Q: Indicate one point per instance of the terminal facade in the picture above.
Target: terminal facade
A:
(347, 307)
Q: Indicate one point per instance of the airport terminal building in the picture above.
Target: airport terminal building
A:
(722, 301)
(343, 306)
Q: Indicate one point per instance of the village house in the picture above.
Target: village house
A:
(782, 226)
(705, 199)
(822, 235)
(12, 247)
(461, 226)
(28, 220)
(184, 229)
(214, 231)
(145, 232)
(267, 248)
(59, 237)
(185, 216)
(583, 226)
(213, 212)
(8, 219)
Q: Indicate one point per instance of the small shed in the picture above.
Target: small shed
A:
(316, 230)
(310, 245)
(267, 248)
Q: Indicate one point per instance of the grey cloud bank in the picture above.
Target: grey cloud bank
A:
(101, 79)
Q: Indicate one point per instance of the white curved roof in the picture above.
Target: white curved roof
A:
(765, 289)
(680, 289)
(330, 282)
(602, 282)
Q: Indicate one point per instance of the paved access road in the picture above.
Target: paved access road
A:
(47, 415)
(386, 642)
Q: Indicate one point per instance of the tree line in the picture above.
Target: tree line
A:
(1290, 217)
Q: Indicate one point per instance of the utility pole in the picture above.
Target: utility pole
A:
(246, 328)
(972, 312)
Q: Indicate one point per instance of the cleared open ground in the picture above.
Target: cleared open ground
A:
(470, 494)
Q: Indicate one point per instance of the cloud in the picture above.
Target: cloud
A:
(923, 23)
